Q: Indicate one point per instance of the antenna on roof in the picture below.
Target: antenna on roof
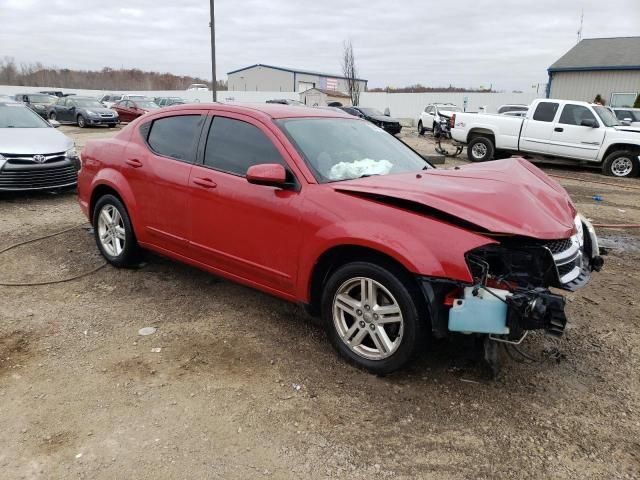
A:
(581, 22)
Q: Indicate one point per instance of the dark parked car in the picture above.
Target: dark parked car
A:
(38, 102)
(286, 101)
(391, 125)
(168, 101)
(83, 111)
(129, 110)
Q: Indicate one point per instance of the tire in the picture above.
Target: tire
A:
(480, 149)
(81, 121)
(361, 336)
(436, 130)
(52, 116)
(421, 129)
(127, 252)
(622, 163)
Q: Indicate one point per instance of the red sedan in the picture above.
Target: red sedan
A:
(129, 110)
(327, 210)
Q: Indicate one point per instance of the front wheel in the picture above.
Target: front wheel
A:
(113, 232)
(372, 317)
(480, 149)
(421, 129)
(624, 163)
(81, 121)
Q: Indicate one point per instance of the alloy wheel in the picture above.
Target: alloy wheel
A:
(111, 230)
(368, 318)
(479, 150)
(621, 166)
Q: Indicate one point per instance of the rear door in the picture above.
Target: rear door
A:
(573, 140)
(249, 231)
(538, 128)
(158, 168)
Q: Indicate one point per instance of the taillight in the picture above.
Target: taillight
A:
(452, 121)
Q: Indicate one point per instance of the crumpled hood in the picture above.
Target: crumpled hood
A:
(32, 141)
(509, 196)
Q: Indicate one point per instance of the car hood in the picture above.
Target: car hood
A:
(504, 196)
(99, 110)
(384, 118)
(31, 141)
(629, 128)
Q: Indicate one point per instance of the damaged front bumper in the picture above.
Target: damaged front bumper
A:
(510, 294)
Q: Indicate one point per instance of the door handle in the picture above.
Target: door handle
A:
(558, 129)
(205, 182)
(134, 162)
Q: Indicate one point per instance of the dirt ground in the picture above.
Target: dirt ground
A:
(245, 385)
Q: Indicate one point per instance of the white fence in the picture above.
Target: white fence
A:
(401, 105)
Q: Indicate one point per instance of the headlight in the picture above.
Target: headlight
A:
(579, 231)
(72, 153)
(91, 112)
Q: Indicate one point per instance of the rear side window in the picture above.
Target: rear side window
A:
(575, 114)
(233, 146)
(545, 111)
(175, 137)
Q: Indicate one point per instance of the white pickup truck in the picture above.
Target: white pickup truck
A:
(570, 131)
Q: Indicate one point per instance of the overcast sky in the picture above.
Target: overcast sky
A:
(508, 44)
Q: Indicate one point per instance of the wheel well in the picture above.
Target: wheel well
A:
(335, 257)
(621, 146)
(100, 191)
(481, 132)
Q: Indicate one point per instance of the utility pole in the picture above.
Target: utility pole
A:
(581, 22)
(212, 25)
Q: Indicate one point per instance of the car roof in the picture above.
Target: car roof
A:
(270, 110)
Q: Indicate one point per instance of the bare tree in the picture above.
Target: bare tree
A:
(350, 72)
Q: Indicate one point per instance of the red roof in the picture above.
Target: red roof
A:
(271, 110)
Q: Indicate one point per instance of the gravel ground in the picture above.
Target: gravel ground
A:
(245, 385)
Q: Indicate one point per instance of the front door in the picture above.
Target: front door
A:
(537, 130)
(248, 231)
(158, 169)
(573, 140)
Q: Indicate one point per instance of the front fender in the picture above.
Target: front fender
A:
(429, 247)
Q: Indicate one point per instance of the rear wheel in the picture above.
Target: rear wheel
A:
(52, 116)
(372, 317)
(421, 129)
(81, 121)
(623, 163)
(480, 149)
(113, 232)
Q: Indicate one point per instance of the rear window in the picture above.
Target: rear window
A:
(545, 111)
(176, 137)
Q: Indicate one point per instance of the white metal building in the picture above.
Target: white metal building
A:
(609, 67)
(267, 78)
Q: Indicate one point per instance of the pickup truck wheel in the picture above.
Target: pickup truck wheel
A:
(421, 129)
(480, 149)
(371, 316)
(113, 232)
(623, 163)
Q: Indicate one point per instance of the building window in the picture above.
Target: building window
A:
(625, 100)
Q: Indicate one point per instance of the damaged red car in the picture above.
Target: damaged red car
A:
(327, 210)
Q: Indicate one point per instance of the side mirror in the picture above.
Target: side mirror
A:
(270, 174)
(589, 122)
(54, 123)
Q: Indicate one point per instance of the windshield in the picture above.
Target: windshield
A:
(42, 99)
(606, 115)
(343, 149)
(147, 104)
(372, 112)
(18, 116)
(87, 103)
